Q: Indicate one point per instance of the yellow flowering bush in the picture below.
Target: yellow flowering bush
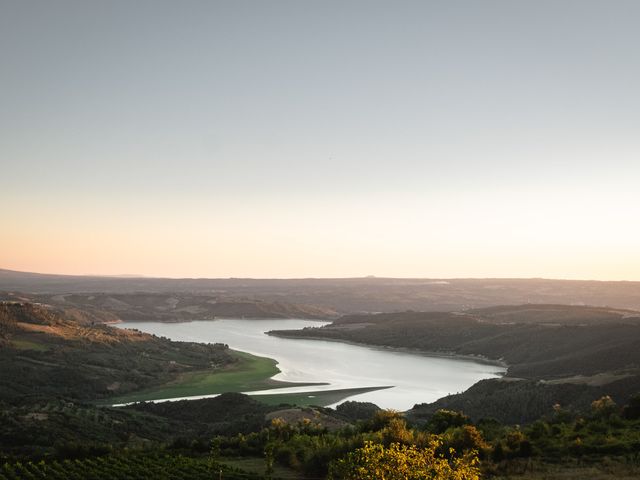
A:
(405, 462)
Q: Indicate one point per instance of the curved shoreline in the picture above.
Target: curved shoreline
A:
(415, 351)
(476, 366)
(226, 317)
(250, 373)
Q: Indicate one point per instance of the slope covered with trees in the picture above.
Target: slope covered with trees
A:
(555, 353)
(544, 342)
(48, 352)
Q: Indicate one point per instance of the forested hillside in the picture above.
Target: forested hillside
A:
(51, 353)
(171, 307)
(545, 342)
(555, 353)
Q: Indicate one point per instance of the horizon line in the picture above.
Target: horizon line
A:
(126, 276)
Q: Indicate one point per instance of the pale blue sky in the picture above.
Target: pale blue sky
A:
(273, 133)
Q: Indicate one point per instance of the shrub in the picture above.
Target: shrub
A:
(442, 420)
(402, 462)
(631, 411)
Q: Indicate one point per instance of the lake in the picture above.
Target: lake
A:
(415, 378)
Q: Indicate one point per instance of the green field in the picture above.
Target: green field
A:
(249, 373)
(28, 345)
(318, 398)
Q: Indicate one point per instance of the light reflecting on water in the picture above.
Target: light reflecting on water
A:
(415, 378)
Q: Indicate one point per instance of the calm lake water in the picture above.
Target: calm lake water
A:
(415, 378)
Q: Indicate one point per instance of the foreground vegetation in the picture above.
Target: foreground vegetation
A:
(137, 465)
(607, 435)
(602, 443)
(58, 366)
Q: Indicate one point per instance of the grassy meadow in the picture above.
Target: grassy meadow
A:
(248, 373)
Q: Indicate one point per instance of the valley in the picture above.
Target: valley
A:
(514, 382)
(331, 366)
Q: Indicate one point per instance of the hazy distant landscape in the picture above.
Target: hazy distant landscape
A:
(58, 333)
(323, 298)
(319, 240)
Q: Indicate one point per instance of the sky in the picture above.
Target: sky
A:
(321, 138)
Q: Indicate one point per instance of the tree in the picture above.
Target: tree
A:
(603, 407)
(382, 418)
(498, 453)
(396, 431)
(214, 453)
(268, 460)
(466, 438)
(445, 419)
(631, 410)
(403, 462)
(518, 443)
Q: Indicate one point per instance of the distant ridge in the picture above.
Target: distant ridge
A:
(349, 295)
(365, 278)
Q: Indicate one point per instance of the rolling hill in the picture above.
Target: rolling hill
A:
(348, 295)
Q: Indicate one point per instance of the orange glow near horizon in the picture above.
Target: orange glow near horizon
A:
(403, 236)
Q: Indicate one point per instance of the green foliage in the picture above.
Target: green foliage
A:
(465, 438)
(562, 415)
(537, 341)
(140, 466)
(355, 411)
(396, 431)
(247, 372)
(52, 355)
(604, 407)
(310, 449)
(214, 453)
(382, 418)
(498, 453)
(631, 411)
(268, 460)
(444, 419)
